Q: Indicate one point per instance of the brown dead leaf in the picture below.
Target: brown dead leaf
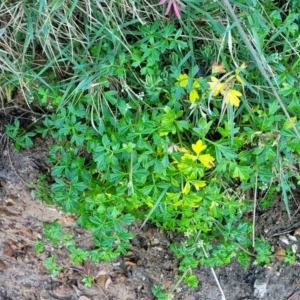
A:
(27, 231)
(9, 212)
(152, 231)
(130, 263)
(100, 280)
(2, 265)
(8, 250)
(295, 282)
(119, 278)
(280, 253)
(218, 68)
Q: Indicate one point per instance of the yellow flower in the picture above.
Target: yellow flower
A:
(239, 79)
(229, 80)
(237, 71)
(216, 86)
(198, 147)
(205, 159)
(194, 95)
(182, 80)
(224, 88)
(232, 97)
(196, 84)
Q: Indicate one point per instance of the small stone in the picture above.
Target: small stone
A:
(294, 248)
(155, 242)
(260, 288)
(292, 238)
(83, 298)
(284, 240)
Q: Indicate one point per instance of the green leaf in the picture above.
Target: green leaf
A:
(191, 281)
(223, 150)
(265, 175)
(59, 186)
(127, 219)
(146, 190)
(116, 175)
(273, 107)
(183, 125)
(242, 172)
(155, 206)
(139, 174)
(80, 186)
(203, 127)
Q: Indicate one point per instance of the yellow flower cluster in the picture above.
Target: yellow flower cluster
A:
(205, 159)
(182, 80)
(223, 88)
(230, 95)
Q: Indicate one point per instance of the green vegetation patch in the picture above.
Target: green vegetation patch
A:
(159, 119)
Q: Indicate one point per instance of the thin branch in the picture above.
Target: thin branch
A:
(254, 211)
(215, 275)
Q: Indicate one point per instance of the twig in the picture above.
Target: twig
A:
(100, 289)
(294, 294)
(67, 297)
(215, 275)
(286, 230)
(254, 211)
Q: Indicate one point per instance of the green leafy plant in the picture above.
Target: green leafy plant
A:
(171, 121)
(41, 189)
(38, 247)
(53, 232)
(21, 137)
(51, 266)
(88, 281)
(158, 292)
(289, 257)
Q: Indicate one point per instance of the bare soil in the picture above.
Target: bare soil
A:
(130, 277)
